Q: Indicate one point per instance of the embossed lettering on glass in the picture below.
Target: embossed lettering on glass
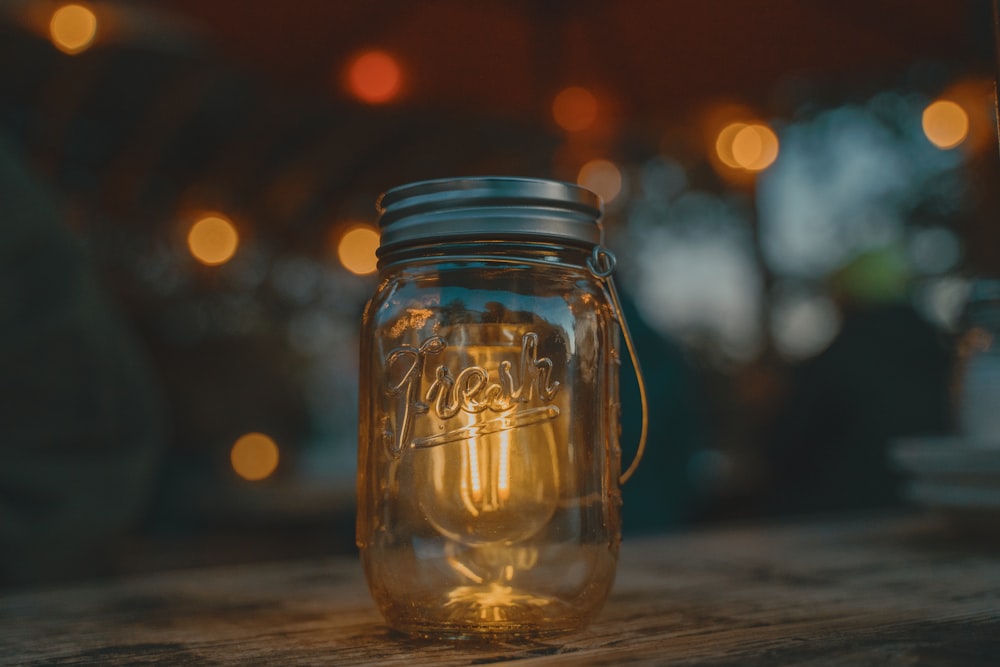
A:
(488, 489)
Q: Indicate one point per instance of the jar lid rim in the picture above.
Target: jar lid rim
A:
(489, 207)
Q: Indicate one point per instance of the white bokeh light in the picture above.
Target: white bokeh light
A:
(803, 321)
(696, 279)
(848, 180)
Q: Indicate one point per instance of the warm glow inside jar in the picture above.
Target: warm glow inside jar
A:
(488, 490)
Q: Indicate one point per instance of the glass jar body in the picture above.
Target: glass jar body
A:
(488, 498)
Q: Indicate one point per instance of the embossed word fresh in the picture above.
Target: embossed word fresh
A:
(471, 391)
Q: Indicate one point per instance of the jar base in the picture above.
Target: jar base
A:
(484, 613)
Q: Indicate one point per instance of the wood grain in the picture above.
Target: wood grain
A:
(892, 590)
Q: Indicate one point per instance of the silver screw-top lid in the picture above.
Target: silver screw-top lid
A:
(488, 208)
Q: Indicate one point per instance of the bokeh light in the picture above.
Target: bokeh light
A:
(574, 108)
(705, 288)
(213, 239)
(848, 181)
(73, 28)
(942, 300)
(976, 96)
(602, 177)
(374, 77)
(356, 249)
(747, 146)
(945, 123)
(934, 250)
(803, 322)
(724, 144)
(755, 147)
(254, 456)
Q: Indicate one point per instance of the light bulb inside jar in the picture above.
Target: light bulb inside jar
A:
(500, 486)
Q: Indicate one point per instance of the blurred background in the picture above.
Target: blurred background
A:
(799, 193)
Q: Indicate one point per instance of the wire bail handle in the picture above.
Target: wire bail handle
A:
(602, 265)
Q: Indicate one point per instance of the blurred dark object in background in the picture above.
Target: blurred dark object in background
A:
(665, 492)
(83, 424)
(887, 374)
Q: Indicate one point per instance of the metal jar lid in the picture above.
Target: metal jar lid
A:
(488, 208)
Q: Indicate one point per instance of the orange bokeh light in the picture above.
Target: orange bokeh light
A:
(945, 123)
(602, 177)
(976, 96)
(213, 239)
(254, 456)
(755, 147)
(356, 249)
(574, 108)
(73, 28)
(374, 77)
(724, 144)
(747, 146)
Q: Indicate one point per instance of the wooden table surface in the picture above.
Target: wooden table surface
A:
(895, 590)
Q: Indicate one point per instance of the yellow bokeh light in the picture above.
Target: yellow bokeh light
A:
(574, 108)
(747, 146)
(976, 96)
(254, 456)
(945, 123)
(73, 28)
(603, 177)
(374, 77)
(724, 144)
(755, 147)
(213, 239)
(356, 250)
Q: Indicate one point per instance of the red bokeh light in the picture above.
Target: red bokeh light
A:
(374, 77)
(574, 108)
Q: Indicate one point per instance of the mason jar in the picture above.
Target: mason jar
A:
(488, 478)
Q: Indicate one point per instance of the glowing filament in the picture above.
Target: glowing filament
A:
(474, 476)
(503, 469)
